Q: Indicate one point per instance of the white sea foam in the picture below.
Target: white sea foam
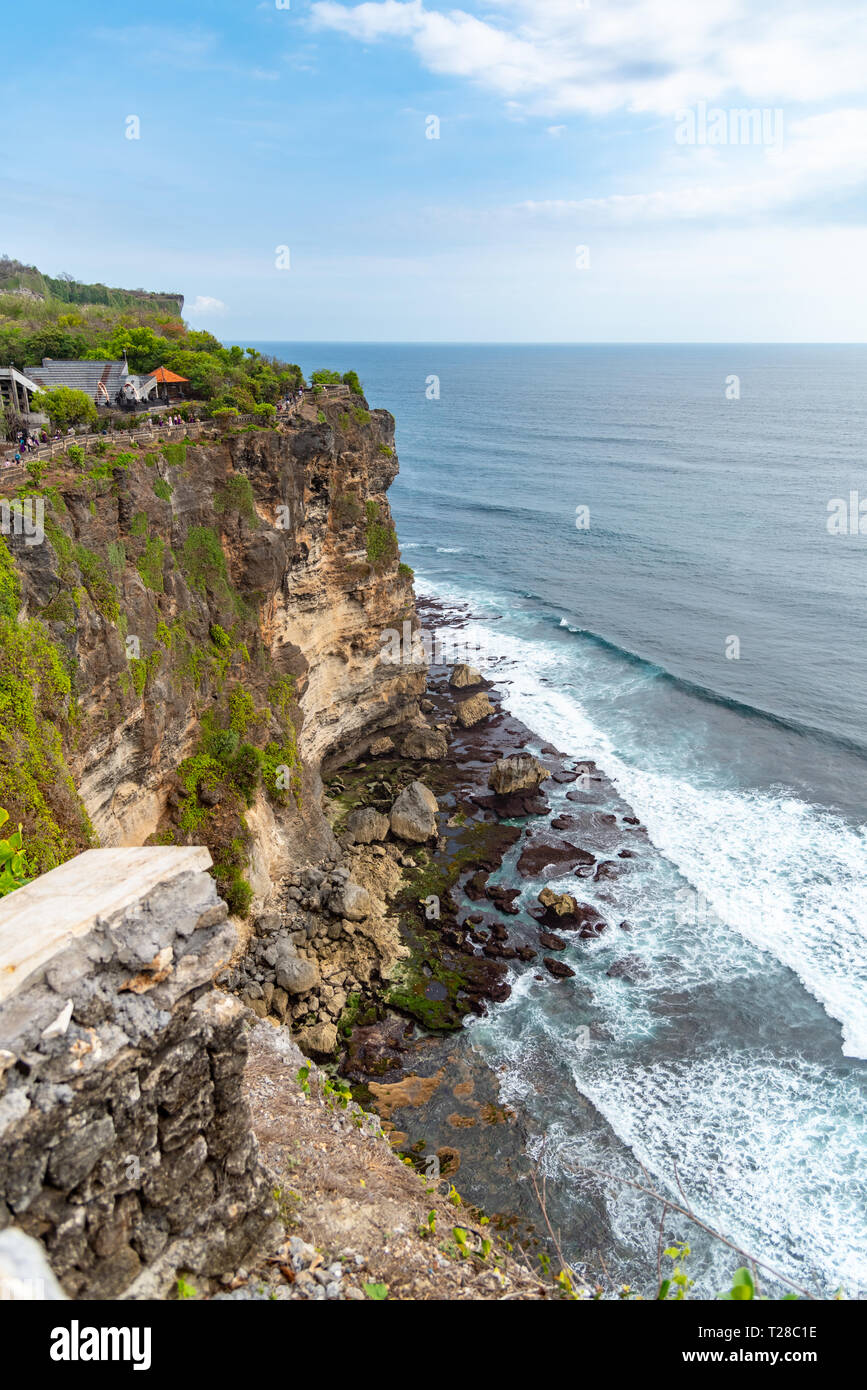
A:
(785, 874)
(768, 1145)
(748, 1133)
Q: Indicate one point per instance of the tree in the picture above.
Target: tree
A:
(65, 407)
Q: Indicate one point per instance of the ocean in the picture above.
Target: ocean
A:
(660, 553)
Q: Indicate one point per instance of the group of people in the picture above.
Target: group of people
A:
(290, 403)
(28, 442)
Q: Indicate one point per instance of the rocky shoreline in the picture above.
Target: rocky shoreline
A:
(376, 956)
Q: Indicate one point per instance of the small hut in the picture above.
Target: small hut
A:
(170, 386)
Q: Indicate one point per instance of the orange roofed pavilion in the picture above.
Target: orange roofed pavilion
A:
(169, 384)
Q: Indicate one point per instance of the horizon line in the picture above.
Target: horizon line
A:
(555, 342)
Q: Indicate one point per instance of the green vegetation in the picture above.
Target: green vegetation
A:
(162, 489)
(96, 581)
(325, 377)
(14, 275)
(65, 407)
(13, 865)
(10, 585)
(236, 495)
(175, 453)
(203, 561)
(150, 564)
(35, 710)
(381, 539)
(96, 323)
(377, 1292)
(142, 671)
(222, 776)
(67, 319)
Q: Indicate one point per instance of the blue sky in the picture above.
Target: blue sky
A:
(561, 125)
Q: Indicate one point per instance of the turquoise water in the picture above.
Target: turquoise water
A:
(704, 639)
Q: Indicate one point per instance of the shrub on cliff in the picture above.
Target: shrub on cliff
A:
(13, 866)
(381, 539)
(35, 711)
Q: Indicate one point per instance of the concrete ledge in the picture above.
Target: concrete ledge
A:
(39, 920)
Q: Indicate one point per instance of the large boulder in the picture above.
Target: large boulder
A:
(366, 825)
(518, 773)
(318, 1041)
(463, 675)
(561, 904)
(424, 743)
(294, 973)
(474, 710)
(414, 814)
(350, 900)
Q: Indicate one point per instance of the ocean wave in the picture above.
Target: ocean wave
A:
(707, 693)
(746, 1142)
(786, 875)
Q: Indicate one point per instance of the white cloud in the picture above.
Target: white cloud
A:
(204, 304)
(642, 55)
(658, 57)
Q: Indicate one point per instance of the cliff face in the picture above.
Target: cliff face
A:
(199, 630)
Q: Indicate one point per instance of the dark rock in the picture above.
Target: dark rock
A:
(551, 942)
(558, 968)
(476, 885)
(607, 868)
(540, 855)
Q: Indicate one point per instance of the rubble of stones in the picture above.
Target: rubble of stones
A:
(299, 1271)
(290, 971)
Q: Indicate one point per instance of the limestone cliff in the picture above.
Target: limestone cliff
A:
(199, 630)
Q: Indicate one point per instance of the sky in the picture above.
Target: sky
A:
(400, 170)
